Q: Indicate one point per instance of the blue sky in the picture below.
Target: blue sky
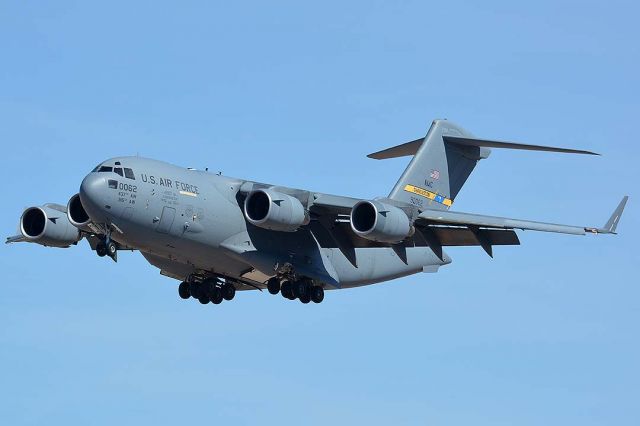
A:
(297, 94)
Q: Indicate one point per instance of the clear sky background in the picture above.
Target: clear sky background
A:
(297, 94)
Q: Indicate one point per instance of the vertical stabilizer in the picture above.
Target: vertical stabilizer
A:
(438, 169)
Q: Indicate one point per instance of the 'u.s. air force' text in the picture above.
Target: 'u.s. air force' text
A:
(166, 182)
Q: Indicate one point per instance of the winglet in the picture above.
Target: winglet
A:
(612, 223)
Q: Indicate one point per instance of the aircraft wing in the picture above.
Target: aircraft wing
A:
(325, 203)
(317, 203)
(431, 223)
(469, 219)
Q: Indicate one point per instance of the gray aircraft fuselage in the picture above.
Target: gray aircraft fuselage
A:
(194, 221)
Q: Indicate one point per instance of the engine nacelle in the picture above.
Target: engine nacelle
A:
(48, 225)
(77, 214)
(273, 210)
(380, 222)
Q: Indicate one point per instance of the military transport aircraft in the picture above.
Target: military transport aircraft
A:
(218, 234)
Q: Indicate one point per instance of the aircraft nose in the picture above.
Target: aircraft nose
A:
(92, 193)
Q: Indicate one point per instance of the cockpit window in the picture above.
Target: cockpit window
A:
(126, 172)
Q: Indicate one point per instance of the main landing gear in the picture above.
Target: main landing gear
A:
(302, 289)
(208, 290)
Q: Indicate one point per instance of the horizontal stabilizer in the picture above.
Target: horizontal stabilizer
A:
(411, 148)
(404, 150)
(510, 145)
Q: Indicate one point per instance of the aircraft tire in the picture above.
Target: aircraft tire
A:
(203, 300)
(194, 289)
(101, 249)
(112, 248)
(301, 288)
(286, 290)
(317, 294)
(273, 285)
(228, 291)
(305, 298)
(183, 290)
(206, 287)
(215, 295)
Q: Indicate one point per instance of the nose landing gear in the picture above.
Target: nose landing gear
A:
(107, 247)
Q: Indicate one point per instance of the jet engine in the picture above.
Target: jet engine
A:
(273, 210)
(380, 222)
(48, 225)
(77, 214)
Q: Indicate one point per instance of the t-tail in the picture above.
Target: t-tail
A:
(442, 162)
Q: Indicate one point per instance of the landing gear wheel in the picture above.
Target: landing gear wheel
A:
(101, 249)
(215, 295)
(301, 289)
(194, 290)
(286, 289)
(112, 249)
(228, 291)
(305, 298)
(273, 285)
(203, 300)
(206, 286)
(317, 294)
(183, 290)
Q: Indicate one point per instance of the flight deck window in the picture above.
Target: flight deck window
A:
(118, 170)
(128, 173)
(105, 169)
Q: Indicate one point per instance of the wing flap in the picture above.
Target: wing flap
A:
(457, 237)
